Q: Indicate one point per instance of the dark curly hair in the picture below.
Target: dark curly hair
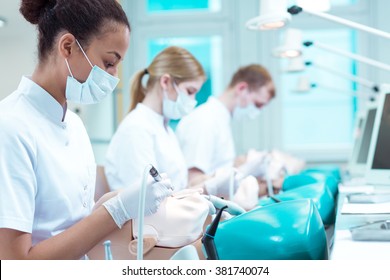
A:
(82, 18)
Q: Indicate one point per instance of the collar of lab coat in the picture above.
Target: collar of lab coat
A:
(41, 100)
(151, 115)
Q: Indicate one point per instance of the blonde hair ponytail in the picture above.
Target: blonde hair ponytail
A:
(137, 90)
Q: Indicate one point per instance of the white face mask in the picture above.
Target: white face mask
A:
(98, 85)
(183, 105)
(249, 112)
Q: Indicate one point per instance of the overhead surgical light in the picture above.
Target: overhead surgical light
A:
(303, 85)
(292, 45)
(295, 64)
(273, 15)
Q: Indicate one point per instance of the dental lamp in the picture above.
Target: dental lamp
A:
(292, 45)
(294, 10)
(304, 85)
(298, 65)
(353, 56)
(295, 64)
(293, 40)
(274, 15)
(2, 22)
(364, 82)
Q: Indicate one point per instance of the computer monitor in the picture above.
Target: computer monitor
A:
(358, 162)
(378, 164)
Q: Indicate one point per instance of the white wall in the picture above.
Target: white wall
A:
(17, 47)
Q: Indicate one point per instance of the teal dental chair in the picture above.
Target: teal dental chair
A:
(290, 230)
(300, 180)
(318, 192)
(331, 170)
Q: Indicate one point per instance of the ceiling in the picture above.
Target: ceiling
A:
(16, 28)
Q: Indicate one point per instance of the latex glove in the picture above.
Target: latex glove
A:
(220, 183)
(247, 195)
(255, 164)
(124, 206)
(190, 191)
(233, 208)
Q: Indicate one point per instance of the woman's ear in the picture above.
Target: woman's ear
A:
(67, 45)
(165, 81)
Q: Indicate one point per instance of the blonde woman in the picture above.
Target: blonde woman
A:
(144, 137)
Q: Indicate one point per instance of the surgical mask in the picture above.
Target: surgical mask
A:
(249, 112)
(183, 105)
(97, 86)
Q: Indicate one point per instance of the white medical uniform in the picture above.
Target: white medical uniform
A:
(47, 166)
(205, 137)
(144, 138)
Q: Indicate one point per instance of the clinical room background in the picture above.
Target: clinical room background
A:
(316, 125)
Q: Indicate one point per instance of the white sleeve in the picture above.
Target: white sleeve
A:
(18, 185)
(197, 140)
(128, 154)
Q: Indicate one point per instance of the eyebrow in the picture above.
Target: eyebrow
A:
(118, 56)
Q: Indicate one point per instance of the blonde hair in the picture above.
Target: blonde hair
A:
(254, 75)
(179, 63)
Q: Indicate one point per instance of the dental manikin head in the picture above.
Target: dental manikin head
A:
(173, 79)
(179, 222)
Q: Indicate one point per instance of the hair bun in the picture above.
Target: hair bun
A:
(32, 10)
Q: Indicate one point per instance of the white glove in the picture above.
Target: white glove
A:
(255, 164)
(124, 206)
(220, 184)
(189, 191)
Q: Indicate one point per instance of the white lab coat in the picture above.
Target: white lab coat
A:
(47, 166)
(205, 137)
(144, 138)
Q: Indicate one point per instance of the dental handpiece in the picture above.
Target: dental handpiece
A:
(156, 176)
(154, 173)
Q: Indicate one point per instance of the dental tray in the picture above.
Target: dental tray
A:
(375, 231)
